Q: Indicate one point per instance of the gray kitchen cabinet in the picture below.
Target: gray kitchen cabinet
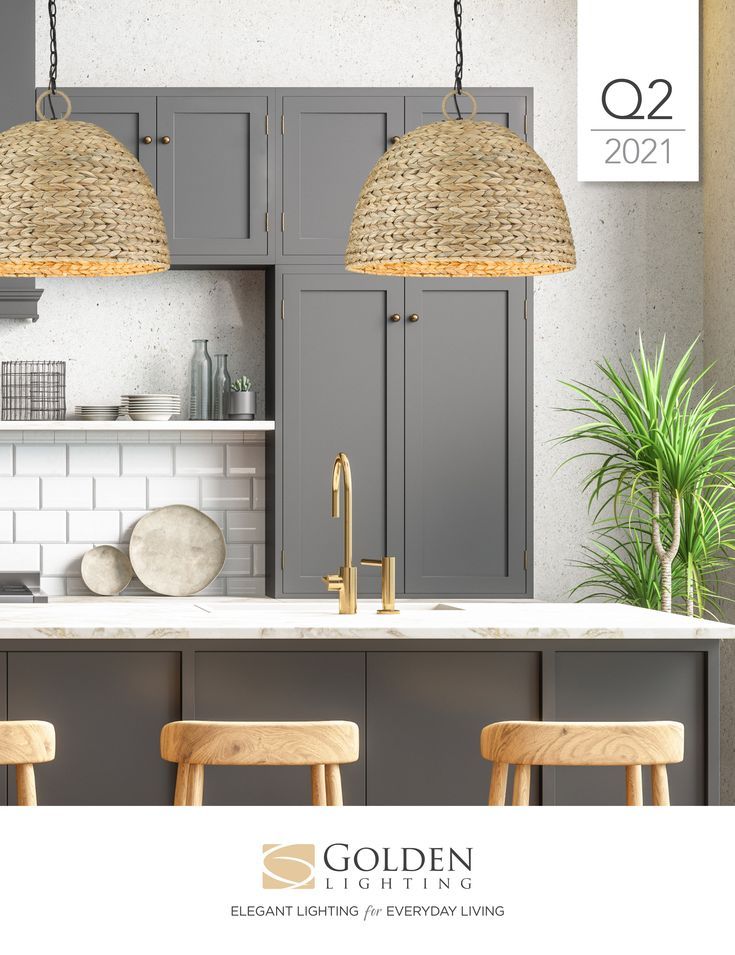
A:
(342, 388)
(108, 709)
(279, 686)
(465, 437)
(3, 716)
(213, 175)
(208, 159)
(619, 685)
(425, 713)
(330, 142)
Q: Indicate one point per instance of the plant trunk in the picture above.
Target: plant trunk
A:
(666, 555)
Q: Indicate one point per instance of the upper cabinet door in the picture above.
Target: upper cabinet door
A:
(342, 381)
(130, 119)
(330, 144)
(213, 176)
(509, 110)
(465, 463)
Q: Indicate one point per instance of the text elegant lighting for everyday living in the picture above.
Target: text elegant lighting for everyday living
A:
(73, 200)
(461, 197)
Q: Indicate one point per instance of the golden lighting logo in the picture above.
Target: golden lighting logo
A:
(288, 866)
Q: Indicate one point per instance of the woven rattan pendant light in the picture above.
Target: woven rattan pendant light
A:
(460, 198)
(73, 200)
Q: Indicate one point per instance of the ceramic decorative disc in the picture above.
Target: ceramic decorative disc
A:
(106, 570)
(177, 550)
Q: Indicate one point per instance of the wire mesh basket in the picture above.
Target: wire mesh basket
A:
(33, 390)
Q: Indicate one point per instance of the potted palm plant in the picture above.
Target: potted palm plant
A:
(242, 399)
(661, 484)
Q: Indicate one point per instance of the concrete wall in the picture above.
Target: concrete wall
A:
(639, 247)
(718, 180)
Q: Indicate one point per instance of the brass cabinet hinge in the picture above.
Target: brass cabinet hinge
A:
(283, 125)
(283, 560)
(525, 309)
(283, 221)
(267, 125)
(267, 222)
(525, 560)
(283, 309)
(525, 124)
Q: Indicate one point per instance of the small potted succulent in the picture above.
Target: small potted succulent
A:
(242, 400)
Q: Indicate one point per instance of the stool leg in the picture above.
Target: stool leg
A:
(498, 784)
(633, 786)
(660, 786)
(522, 785)
(318, 786)
(182, 784)
(334, 785)
(195, 789)
(25, 782)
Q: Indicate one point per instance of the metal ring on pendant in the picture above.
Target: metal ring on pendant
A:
(463, 93)
(62, 94)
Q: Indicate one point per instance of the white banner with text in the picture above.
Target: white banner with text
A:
(638, 90)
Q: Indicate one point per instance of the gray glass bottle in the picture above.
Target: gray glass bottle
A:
(221, 384)
(200, 382)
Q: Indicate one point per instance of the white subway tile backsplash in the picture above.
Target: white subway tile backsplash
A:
(54, 586)
(99, 526)
(245, 586)
(245, 527)
(6, 459)
(6, 526)
(16, 492)
(200, 459)
(246, 459)
(178, 490)
(40, 459)
(40, 526)
(225, 493)
(146, 459)
(238, 560)
(63, 558)
(120, 492)
(20, 557)
(258, 494)
(65, 492)
(94, 459)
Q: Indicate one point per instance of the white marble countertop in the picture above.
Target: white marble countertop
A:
(248, 618)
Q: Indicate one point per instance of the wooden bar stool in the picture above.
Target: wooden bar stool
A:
(194, 744)
(525, 744)
(23, 743)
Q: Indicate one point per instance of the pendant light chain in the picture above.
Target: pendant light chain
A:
(53, 67)
(459, 56)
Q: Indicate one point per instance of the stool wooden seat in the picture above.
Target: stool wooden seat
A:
(323, 746)
(23, 743)
(525, 744)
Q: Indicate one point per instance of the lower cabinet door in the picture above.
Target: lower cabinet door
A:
(425, 714)
(108, 709)
(287, 685)
(632, 685)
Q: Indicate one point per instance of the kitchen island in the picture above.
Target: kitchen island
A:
(109, 672)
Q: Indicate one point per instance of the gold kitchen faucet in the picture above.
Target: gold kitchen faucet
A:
(345, 582)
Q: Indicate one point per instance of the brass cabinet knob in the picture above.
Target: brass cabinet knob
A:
(394, 139)
(395, 318)
(165, 140)
(147, 140)
(413, 318)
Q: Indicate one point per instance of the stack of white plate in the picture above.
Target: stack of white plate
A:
(153, 407)
(97, 412)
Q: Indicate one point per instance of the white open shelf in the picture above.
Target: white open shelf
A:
(71, 425)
